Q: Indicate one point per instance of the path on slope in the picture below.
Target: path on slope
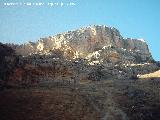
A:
(100, 96)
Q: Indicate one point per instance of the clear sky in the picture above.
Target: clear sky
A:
(133, 18)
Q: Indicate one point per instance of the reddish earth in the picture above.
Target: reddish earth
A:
(99, 100)
(44, 104)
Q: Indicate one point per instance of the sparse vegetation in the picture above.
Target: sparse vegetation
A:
(89, 74)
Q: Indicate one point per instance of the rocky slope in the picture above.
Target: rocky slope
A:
(8, 61)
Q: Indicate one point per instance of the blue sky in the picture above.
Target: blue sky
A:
(133, 18)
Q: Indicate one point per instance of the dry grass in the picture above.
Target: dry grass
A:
(151, 75)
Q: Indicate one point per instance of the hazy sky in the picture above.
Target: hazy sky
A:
(133, 18)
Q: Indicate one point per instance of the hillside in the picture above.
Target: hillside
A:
(91, 73)
(155, 74)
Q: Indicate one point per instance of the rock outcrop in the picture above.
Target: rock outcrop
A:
(83, 42)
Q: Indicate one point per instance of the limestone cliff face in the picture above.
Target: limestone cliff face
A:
(137, 44)
(85, 41)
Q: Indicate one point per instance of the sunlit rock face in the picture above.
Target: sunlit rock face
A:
(83, 42)
(40, 46)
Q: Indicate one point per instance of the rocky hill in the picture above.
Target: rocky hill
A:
(100, 43)
(90, 53)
